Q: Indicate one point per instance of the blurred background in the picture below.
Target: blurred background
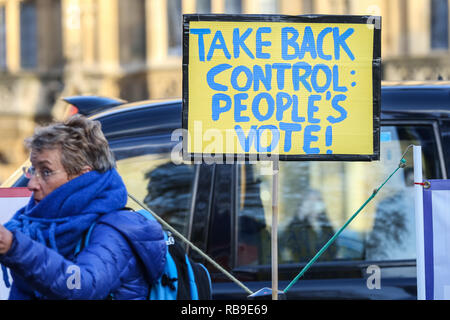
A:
(132, 49)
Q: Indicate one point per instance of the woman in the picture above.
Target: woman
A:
(76, 189)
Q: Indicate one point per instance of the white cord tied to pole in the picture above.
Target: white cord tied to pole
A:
(198, 250)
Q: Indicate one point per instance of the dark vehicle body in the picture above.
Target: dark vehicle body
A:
(221, 207)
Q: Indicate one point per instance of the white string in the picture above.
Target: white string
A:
(180, 236)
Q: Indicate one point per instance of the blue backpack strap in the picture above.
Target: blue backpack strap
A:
(166, 287)
(192, 284)
(146, 214)
(203, 281)
(82, 245)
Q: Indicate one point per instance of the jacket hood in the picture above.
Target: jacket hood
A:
(145, 237)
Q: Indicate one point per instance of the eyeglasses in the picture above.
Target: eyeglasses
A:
(45, 174)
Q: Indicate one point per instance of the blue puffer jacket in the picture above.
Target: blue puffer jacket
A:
(125, 255)
(119, 262)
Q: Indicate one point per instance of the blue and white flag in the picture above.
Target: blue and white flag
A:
(436, 231)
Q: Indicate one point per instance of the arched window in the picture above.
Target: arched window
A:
(28, 35)
(174, 26)
(2, 38)
(439, 24)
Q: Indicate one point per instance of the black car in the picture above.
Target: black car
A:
(225, 209)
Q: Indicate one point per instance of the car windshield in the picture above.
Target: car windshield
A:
(316, 198)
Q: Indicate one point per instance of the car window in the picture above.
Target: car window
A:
(316, 198)
(166, 188)
(220, 231)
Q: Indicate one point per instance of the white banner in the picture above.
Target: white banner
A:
(11, 200)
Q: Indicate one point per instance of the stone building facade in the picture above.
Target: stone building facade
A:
(131, 49)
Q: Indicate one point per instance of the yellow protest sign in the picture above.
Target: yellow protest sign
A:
(294, 87)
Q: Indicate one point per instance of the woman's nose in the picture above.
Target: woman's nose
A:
(33, 184)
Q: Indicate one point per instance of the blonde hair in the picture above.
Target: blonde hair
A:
(81, 141)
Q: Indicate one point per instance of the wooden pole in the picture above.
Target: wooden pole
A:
(274, 241)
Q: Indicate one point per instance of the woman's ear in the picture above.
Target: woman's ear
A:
(86, 169)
